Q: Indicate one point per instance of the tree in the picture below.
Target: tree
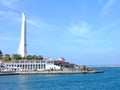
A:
(6, 58)
(1, 52)
(1, 57)
(84, 68)
(29, 57)
(39, 57)
(16, 57)
(34, 57)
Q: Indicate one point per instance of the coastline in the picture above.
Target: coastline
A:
(49, 72)
(105, 66)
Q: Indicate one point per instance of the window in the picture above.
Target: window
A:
(22, 61)
(44, 66)
(39, 66)
(50, 62)
(38, 61)
(42, 61)
(16, 61)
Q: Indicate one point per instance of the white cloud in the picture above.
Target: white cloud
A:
(96, 46)
(6, 38)
(107, 6)
(81, 29)
(94, 41)
(13, 4)
(40, 25)
(6, 2)
(13, 17)
(10, 16)
(99, 49)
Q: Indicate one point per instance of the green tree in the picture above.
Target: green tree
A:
(34, 57)
(29, 57)
(39, 57)
(1, 52)
(84, 68)
(16, 57)
(7, 58)
(1, 57)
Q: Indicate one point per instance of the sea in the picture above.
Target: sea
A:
(109, 80)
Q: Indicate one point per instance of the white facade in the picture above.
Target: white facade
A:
(30, 65)
(22, 47)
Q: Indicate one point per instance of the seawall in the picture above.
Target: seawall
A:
(49, 72)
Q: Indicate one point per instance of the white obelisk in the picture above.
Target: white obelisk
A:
(22, 48)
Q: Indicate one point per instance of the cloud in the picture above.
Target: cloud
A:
(6, 2)
(13, 17)
(41, 25)
(92, 42)
(6, 38)
(13, 4)
(81, 29)
(94, 39)
(11, 10)
(95, 46)
(8, 14)
(99, 50)
(107, 6)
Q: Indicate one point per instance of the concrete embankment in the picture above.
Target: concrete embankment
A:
(49, 72)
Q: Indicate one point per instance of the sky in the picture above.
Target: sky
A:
(84, 32)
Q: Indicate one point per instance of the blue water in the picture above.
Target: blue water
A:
(109, 80)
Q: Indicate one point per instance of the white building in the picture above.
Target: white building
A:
(29, 65)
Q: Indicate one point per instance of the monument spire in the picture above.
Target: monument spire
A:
(22, 47)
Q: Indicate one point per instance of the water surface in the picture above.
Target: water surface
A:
(109, 80)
